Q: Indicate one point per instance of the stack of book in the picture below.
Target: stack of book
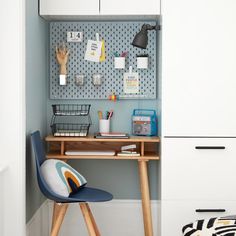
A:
(129, 150)
(128, 153)
(112, 135)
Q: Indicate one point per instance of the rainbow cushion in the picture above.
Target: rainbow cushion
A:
(61, 177)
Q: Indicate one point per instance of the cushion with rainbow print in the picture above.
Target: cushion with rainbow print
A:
(61, 177)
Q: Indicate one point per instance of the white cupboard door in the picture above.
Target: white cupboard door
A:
(199, 67)
(130, 7)
(198, 168)
(176, 214)
(69, 7)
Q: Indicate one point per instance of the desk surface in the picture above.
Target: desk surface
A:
(132, 139)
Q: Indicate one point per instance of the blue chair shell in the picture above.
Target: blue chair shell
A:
(85, 194)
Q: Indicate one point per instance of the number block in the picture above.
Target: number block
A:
(74, 37)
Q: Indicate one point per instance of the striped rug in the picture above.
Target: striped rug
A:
(219, 226)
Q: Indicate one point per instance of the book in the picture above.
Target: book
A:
(128, 154)
(132, 152)
(90, 153)
(113, 134)
(111, 137)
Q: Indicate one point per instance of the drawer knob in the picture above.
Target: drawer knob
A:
(210, 210)
(210, 147)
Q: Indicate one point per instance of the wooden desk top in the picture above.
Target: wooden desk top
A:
(137, 139)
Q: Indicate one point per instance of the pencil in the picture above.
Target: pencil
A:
(100, 115)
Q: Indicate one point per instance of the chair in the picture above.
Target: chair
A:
(61, 203)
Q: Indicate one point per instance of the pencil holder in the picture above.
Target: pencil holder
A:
(104, 126)
(142, 62)
(119, 62)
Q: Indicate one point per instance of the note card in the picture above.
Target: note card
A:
(131, 82)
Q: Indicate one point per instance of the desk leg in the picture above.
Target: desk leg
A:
(144, 186)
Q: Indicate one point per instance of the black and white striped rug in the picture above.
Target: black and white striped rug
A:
(221, 226)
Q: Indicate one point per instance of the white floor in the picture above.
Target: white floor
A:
(114, 218)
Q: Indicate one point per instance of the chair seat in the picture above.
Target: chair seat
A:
(221, 226)
(87, 194)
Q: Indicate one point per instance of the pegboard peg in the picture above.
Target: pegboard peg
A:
(97, 36)
(130, 69)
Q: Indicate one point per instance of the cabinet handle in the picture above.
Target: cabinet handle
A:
(210, 210)
(210, 147)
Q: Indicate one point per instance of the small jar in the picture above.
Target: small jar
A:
(80, 79)
(97, 79)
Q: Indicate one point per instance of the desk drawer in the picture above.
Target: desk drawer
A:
(176, 214)
(199, 168)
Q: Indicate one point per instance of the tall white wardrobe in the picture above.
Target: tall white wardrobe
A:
(198, 111)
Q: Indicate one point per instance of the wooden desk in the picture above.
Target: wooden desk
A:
(148, 150)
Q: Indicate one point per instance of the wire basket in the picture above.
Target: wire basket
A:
(71, 109)
(70, 130)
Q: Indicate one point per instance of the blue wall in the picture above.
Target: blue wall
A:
(37, 32)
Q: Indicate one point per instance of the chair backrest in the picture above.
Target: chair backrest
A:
(38, 148)
(39, 153)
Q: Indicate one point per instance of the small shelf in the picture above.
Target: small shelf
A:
(146, 157)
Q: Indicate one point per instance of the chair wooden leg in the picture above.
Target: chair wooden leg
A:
(56, 210)
(87, 219)
(93, 220)
(58, 221)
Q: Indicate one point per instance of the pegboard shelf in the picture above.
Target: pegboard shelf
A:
(71, 109)
(70, 130)
(118, 37)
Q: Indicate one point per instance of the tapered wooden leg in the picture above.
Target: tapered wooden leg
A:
(56, 209)
(144, 186)
(87, 219)
(93, 220)
(58, 221)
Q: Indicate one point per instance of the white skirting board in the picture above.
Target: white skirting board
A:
(116, 218)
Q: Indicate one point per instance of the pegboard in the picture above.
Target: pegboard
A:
(118, 37)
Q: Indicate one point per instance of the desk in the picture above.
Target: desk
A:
(148, 150)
